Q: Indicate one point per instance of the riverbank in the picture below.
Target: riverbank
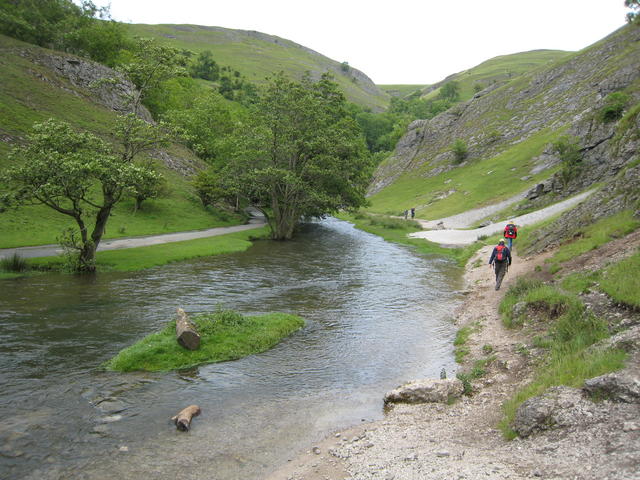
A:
(462, 441)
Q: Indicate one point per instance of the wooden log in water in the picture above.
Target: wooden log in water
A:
(186, 332)
(183, 419)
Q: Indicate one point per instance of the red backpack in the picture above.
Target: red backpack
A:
(501, 254)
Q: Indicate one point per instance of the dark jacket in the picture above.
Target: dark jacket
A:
(495, 252)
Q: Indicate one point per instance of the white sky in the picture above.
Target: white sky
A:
(401, 41)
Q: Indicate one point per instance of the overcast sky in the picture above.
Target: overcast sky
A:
(401, 41)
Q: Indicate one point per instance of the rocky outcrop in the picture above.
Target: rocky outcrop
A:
(87, 79)
(568, 96)
(558, 407)
(426, 391)
(623, 386)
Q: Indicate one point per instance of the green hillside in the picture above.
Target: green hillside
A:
(402, 90)
(257, 55)
(497, 70)
(31, 90)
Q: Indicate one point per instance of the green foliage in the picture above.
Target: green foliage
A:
(568, 149)
(614, 105)
(14, 263)
(224, 336)
(299, 155)
(450, 91)
(205, 67)
(60, 167)
(460, 151)
(82, 29)
(344, 66)
(622, 282)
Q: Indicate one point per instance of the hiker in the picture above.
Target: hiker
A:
(406, 213)
(413, 212)
(510, 233)
(500, 261)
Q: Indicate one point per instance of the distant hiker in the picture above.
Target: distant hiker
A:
(406, 214)
(413, 212)
(510, 232)
(500, 261)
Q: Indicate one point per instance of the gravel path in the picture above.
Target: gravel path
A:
(132, 242)
(450, 236)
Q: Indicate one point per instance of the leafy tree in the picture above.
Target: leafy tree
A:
(568, 149)
(300, 155)
(205, 67)
(634, 15)
(614, 105)
(81, 28)
(450, 91)
(460, 150)
(76, 174)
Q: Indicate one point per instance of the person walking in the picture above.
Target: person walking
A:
(510, 233)
(406, 214)
(413, 212)
(500, 261)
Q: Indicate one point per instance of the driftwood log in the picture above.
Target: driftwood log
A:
(183, 419)
(186, 332)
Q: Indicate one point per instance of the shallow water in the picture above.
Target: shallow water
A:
(377, 315)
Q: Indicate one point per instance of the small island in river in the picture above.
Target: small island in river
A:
(225, 335)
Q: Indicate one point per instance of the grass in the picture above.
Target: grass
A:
(622, 282)
(132, 259)
(224, 336)
(257, 56)
(596, 235)
(397, 230)
(479, 183)
(571, 331)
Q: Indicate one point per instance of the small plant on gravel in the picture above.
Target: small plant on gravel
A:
(523, 350)
(467, 388)
(487, 349)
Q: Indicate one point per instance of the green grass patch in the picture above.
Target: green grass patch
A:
(479, 183)
(397, 230)
(132, 259)
(595, 235)
(622, 281)
(224, 335)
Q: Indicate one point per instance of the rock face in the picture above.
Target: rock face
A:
(558, 407)
(567, 95)
(426, 391)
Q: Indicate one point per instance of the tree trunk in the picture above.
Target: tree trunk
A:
(183, 419)
(186, 333)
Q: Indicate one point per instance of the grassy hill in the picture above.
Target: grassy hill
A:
(509, 130)
(497, 70)
(402, 90)
(32, 90)
(257, 55)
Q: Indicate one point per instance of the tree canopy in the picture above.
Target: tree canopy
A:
(300, 155)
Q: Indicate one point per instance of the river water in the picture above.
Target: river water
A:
(376, 315)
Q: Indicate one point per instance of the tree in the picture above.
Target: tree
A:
(204, 66)
(76, 174)
(634, 15)
(301, 155)
(450, 91)
(460, 150)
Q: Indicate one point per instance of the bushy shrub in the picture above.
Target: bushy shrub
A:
(460, 151)
(14, 263)
(614, 105)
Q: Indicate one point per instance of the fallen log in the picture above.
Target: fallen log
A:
(186, 332)
(183, 419)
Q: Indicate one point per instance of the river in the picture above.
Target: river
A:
(377, 315)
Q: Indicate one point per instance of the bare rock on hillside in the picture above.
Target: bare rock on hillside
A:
(426, 391)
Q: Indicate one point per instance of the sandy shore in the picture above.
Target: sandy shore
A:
(461, 441)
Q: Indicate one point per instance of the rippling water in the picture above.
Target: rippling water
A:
(377, 315)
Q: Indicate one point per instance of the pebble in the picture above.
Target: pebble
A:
(442, 453)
